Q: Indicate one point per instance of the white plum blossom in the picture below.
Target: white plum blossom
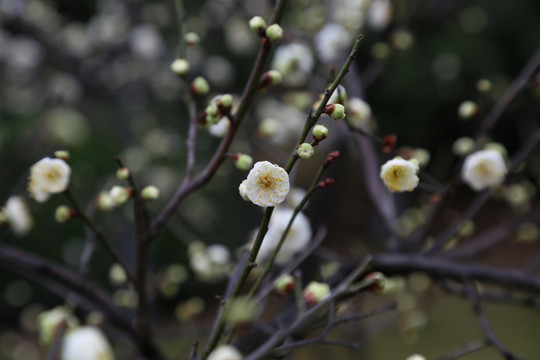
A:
(332, 41)
(267, 184)
(48, 176)
(221, 128)
(225, 352)
(86, 343)
(399, 174)
(242, 189)
(297, 238)
(358, 112)
(379, 14)
(18, 216)
(484, 169)
(295, 62)
(415, 357)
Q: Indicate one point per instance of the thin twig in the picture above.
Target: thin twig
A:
(465, 350)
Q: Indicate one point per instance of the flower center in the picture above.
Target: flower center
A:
(267, 182)
(398, 173)
(483, 169)
(53, 175)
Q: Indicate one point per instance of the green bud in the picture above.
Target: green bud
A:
(62, 154)
(200, 86)
(180, 67)
(274, 32)
(119, 195)
(63, 214)
(336, 111)
(150, 193)
(320, 132)
(226, 100)
(191, 38)
(49, 321)
(305, 151)
(284, 285)
(257, 24)
(274, 76)
(379, 282)
(122, 173)
(315, 293)
(243, 162)
(467, 110)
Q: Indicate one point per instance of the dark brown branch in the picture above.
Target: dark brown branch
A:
(472, 294)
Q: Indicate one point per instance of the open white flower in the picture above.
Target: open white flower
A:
(225, 352)
(483, 169)
(399, 175)
(48, 176)
(358, 112)
(297, 238)
(221, 128)
(18, 216)
(86, 343)
(267, 184)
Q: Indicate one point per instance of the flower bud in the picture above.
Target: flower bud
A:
(463, 146)
(117, 274)
(62, 154)
(119, 195)
(63, 214)
(415, 357)
(180, 67)
(320, 132)
(122, 173)
(274, 32)
(200, 86)
(150, 193)
(275, 76)
(191, 38)
(242, 189)
(284, 285)
(49, 321)
(257, 24)
(379, 281)
(226, 100)
(225, 352)
(483, 85)
(315, 293)
(336, 111)
(104, 201)
(242, 161)
(305, 151)
(212, 113)
(467, 110)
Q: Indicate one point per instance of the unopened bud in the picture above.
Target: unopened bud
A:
(63, 214)
(257, 24)
(275, 76)
(336, 111)
(284, 285)
(180, 67)
(226, 100)
(320, 132)
(315, 293)
(467, 110)
(200, 86)
(119, 195)
(191, 38)
(274, 32)
(62, 154)
(105, 202)
(122, 173)
(463, 146)
(305, 151)
(379, 281)
(243, 162)
(150, 193)
(483, 85)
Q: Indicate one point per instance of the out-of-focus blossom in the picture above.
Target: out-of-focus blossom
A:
(332, 42)
(295, 62)
(86, 343)
(48, 176)
(484, 169)
(17, 215)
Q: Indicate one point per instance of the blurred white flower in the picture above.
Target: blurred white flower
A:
(379, 14)
(221, 128)
(225, 352)
(210, 263)
(297, 238)
(483, 169)
(267, 184)
(358, 112)
(415, 357)
(18, 216)
(295, 62)
(86, 343)
(48, 176)
(146, 42)
(48, 322)
(399, 175)
(332, 41)
(280, 122)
